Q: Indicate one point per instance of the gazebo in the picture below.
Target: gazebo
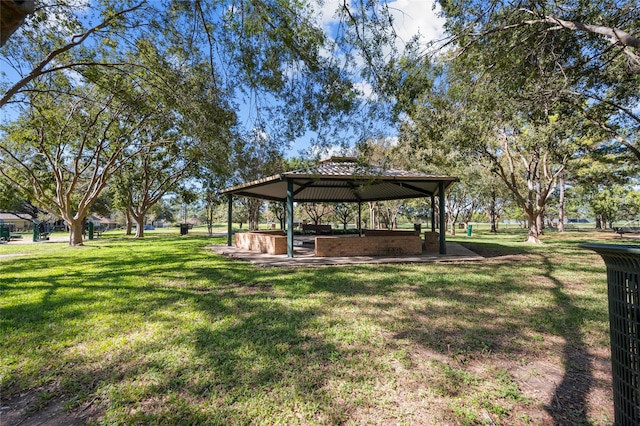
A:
(343, 179)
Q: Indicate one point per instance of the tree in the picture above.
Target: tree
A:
(211, 201)
(467, 118)
(256, 156)
(316, 211)
(279, 212)
(630, 208)
(562, 185)
(12, 202)
(592, 46)
(494, 198)
(161, 211)
(388, 212)
(63, 151)
(344, 213)
(606, 204)
(416, 210)
(154, 172)
(181, 127)
(56, 43)
(239, 213)
(13, 13)
(460, 202)
(186, 196)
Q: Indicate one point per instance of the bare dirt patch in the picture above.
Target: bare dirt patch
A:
(27, 409)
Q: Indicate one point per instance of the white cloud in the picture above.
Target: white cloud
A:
(411, 17)
(366, 90)
(416, 16)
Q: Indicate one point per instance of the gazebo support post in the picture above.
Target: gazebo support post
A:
(289, 218)
(360, 218)
(433, 213)
(229, 216)
(441, 202)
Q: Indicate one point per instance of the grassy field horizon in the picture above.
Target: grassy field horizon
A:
(161, 330)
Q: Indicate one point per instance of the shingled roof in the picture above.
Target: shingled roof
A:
(343, 179)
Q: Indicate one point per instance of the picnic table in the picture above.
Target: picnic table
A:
(308, 228)
(631, 227)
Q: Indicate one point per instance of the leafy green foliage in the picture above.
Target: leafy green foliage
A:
(558, 53)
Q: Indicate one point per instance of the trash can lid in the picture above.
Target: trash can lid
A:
(612, 248)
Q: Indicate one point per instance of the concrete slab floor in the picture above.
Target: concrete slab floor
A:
(304, 257)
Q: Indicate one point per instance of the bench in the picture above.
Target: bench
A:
(627, 230)
(316, 229)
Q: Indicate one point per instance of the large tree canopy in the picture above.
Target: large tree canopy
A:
(202, 69)
(584, 54)
(525, 87)
(272, 59)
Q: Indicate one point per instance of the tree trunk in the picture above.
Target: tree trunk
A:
(139, 226)
(127, 221)
(540, 223)
(598, 222)
(492, 216)
(75, 232)
(372, 216)
(534, 236)
(253, 213)
(561, 205)
(281, 215)
(532, 217)
(210, 214)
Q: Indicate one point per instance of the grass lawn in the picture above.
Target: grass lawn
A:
(164, 331)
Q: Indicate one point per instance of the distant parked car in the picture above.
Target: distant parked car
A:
(149, 227)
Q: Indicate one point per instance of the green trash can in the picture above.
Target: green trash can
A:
(469, 229)
(623, 284)
(5, 233)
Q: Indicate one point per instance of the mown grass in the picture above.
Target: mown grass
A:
(164, 331)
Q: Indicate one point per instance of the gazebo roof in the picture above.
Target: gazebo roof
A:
(342, 179)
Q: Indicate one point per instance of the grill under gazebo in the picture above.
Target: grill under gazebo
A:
(343, 179)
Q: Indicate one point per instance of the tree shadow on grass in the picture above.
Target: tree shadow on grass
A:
(252, 343)
(569, 403)
(492, 250)
(248, 346)
(467, 320)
